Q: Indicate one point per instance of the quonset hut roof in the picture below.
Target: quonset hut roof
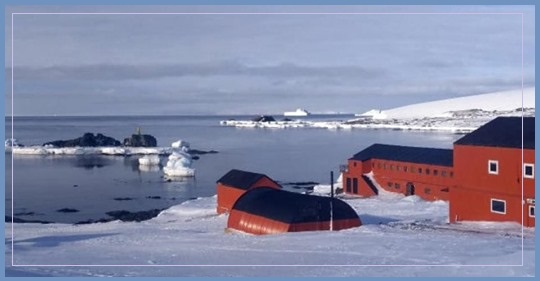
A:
(420, 155)
(290, 207)
(241, 179)
(502, 132)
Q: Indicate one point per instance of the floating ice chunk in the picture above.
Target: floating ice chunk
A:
(149, 160)
(179, 172)
(179, 164)
(179, 144)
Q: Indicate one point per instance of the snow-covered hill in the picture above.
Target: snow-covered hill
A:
(502, 102)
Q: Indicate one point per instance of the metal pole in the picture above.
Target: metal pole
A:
(331, 200)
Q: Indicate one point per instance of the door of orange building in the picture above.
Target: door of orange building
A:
(410, 189)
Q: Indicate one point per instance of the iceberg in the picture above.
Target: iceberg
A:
(179, 162)
(297, 112)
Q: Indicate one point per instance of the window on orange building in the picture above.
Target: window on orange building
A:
(531, 211)
(379, 165)
(451, 174)
(528, 171)
(435, 172)
(419, 170)
(443, 173)
(493, 167)
(396, 186)
(498, 206)
(427, 190)
(398, 167)
(405, 168)
(427, 171)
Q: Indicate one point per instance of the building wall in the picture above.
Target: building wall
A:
(227, 195)
(258, 225)
(254, 224)
(395, 176)
(471, 198)
(352, 178)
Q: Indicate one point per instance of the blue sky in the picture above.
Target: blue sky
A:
(156, 64)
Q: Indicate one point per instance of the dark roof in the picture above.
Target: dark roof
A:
(502, 132)
(241, 179)
(291, 207)
(420, 155)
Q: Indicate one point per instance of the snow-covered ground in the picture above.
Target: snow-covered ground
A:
(400, 236)
(459, 115)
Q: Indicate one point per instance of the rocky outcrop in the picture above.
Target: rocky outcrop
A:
(139, 140)
(87, 140)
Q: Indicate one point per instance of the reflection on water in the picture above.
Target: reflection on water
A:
(91, 162)
(150, 168)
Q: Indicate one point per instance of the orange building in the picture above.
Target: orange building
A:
(494, 170)
(425, 172)
(266, 210)
(488, 176)
(235, 183)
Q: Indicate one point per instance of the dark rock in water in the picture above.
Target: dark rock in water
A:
(87, 140)
(137, 140)
(201, 152)
(153, 197)
(67, 210)
(301, 183)
(93, 221)
(122, 198)
(19, 220)
(25, 214)
(195, 157)
(124, 215)
(263, 118)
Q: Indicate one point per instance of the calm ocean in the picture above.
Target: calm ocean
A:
(94, 185)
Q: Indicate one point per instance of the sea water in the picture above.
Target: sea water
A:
(94, 185)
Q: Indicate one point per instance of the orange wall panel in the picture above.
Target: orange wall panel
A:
(471, 169)
(475, 205)
(226, 197)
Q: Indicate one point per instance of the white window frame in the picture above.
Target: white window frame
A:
(524, 169)
(531, 207)
(499, 200)
(489, 167)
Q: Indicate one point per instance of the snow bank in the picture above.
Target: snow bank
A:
(125, 151)
(399, 238)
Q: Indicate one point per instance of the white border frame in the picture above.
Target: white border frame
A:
(525, 165)
(491, 206)
(496, 162)
(451, 173)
